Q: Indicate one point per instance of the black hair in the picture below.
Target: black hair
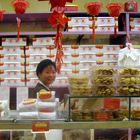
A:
(43, 64)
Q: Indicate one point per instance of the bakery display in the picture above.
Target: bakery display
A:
(44, 107)
(105, 91)
(129, 81)
(129, 90)
(99, 80)
(129, 71)
(79, 85)
(104, 71)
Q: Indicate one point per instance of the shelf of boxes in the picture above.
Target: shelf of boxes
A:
(12, 68)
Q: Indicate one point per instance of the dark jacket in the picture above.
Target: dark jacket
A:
(37, 88)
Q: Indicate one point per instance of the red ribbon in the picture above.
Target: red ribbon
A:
(59, 52)
(93, 30)
(18, 28)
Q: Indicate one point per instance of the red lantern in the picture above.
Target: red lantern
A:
(93, 8)
(114, 10)
(59, 3)
(20, 7)
(59, 20)
(1, 15)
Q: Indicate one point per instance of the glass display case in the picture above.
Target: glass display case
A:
(99, 108)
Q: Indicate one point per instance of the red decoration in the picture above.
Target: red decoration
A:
(93, 8)
(58, 20)
(20, 7)
(59, 3)
(1, 15)
(114, 10)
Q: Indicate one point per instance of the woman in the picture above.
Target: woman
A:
(46, 73)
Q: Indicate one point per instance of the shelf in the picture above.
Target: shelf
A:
(40, 17)
(27, 125)
(54, 33)
(103, 96)
(134, 32)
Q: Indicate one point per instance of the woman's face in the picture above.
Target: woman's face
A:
(48, 75)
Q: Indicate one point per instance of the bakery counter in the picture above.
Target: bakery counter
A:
(27, 125)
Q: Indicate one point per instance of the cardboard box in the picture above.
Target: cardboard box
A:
(11, 50)
(13, 42)
(135, 28)
(12, 74)
(11, 65)
(12, 82)
(134, 21)
(43, 41)
(79, 21)
(11, 58)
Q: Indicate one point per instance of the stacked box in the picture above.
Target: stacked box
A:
(135, 24)
(102, 24)
(12, 62)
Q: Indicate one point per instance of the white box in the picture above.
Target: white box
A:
(79, 21)
(37, 50)
(105, 21)
(11, 66)
(12, 74)
(43, 41)
(38, 57)
(105, 29)
(135, 28)
(12, 58)
(12, 82)
(13, 42)
(135, 21)
(77, 28)
(11, 50)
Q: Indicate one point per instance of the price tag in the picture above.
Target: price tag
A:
(40, 126)
(111, 103)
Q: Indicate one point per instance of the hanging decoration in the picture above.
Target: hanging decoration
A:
(20, 7)
(59, 3)
(1, 15)
(58, 20)
(114, 10)
(93, 8)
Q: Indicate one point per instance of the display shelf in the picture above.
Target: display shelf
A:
(27, 125)
(134, 33)
(102, 96)
(37, 17)
(54, 33)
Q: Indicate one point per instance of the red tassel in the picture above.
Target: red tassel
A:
(115, 31)
(93, 30)
(18, 28)
(59, 53)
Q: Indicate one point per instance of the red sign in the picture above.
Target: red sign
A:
(111, 103)
(40, 126)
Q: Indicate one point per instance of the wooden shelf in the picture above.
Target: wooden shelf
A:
(27, 125)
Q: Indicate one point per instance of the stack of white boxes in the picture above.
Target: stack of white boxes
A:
(47, 107)
(36, 53)
(43, 48)
(44, 107)
(83, 24)
(12, 62)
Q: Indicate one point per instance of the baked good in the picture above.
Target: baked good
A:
(129, 90)
(105, 91)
